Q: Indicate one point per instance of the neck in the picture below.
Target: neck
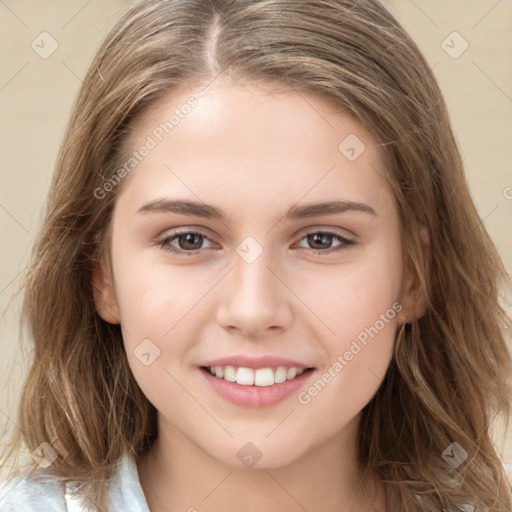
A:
(177, 475)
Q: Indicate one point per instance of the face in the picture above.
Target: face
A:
(257, 240)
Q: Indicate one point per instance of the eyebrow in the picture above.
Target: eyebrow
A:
(195, 209)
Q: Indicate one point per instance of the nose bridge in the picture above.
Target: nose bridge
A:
(255, 298)
(253, 283)
(253, 277)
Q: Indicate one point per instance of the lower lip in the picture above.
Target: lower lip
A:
(255, 396)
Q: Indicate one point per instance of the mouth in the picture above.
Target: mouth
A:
(261, 377)
(255, 382)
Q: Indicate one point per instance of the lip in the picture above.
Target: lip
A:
(255, 396)
(255, 362)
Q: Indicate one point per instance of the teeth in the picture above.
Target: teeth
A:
(280, 375)
(229, 373)
(291, 373)
(264, 377)
(259, 377)
(245, 376)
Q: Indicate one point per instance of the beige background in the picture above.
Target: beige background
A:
(36, 95)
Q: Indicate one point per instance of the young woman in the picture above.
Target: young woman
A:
(261, 281)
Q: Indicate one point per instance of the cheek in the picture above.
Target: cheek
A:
(353, 295)
(152, 294)
(159, 307)
(363, 315)
(358, 304)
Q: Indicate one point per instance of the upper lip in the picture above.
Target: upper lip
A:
(255, 362)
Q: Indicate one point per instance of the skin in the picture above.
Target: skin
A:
(255, 154)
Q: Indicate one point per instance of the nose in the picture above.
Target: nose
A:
(255, 301)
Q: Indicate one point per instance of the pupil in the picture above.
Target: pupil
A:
(189, 239)
(317, 238)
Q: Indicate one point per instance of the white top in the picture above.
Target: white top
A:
(45, 494)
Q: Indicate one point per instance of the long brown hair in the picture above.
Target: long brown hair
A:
(449, 377)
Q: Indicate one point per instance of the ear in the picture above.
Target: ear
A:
(413, 298)
(104, 293)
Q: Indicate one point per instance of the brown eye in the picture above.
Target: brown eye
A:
(321, 242)
(188, 242)
(319, 239)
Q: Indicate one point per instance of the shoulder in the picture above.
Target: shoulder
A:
(40, 491)
(32, 493)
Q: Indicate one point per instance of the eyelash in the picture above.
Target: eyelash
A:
(165, 243)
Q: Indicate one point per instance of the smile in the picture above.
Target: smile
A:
(255, 377)
(255, 387)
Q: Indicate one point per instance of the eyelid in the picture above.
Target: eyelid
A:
(345, 241)
(335, 230)
(164, 241)
(172, 232)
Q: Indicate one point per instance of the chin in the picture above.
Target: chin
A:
(258, 453)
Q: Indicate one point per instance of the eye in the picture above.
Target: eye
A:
(322, 238)
(189, 242)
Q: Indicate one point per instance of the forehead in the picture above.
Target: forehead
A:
(247, 140)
